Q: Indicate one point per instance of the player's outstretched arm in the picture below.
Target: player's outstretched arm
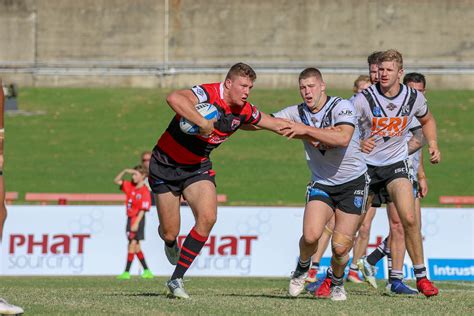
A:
(338, 136)
(183, 103)
(428, 124)
(274, 124)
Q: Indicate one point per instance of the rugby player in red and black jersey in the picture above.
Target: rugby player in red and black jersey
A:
(138, 202)
(180, 164)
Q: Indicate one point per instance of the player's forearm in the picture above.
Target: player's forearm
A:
(182, 102)
(421, 168)
(334, 138)
(429, 132)
(139, 217)
(416, 142)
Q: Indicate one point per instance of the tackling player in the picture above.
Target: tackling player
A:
(138, 202)
(387, 109)
(339, 184)
(180, 164)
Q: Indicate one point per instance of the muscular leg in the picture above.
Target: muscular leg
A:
(401, 193)
(362, 240)
(167, 205)
(316, 215)
(202, 199)
(342, 241)
(323, 241)
(396, 241)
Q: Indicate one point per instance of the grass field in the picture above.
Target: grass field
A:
(77, 140)
(218, 296)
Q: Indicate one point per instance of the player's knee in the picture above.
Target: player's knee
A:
(169, 235)
(341, 245)
(364, 231)
(207, 221)
(310, 238)
(397, 231)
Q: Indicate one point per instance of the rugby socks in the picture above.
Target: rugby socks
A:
(329, 273)
(189, 250)
(315, 265)
(353, 267)
(389, 262)
(395, 275)
(303, 266)
(378, 253)
(129, 261)
(337, 281)
(141, 257)
(420, 271)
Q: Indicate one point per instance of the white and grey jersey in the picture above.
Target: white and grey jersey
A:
(414, 158)
(336, 165)
(387, 120)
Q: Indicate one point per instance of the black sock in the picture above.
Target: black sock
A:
(315, 265)
(170, 244)
(129, 261)
(191, 247)
(337, 281)
(141, 257)
(303, 266)
(420, 271)
(378, 253)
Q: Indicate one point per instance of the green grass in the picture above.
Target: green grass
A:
(218, 296)
(84, 137)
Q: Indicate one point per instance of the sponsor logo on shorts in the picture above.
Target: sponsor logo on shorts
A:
(359, 192)
(317, 192)
(451, 269)
(358, 200)
(399, 170)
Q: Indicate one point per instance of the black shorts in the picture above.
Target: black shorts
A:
(140, 233)
(167, 178)
(380, 198)
(381, 176)
(349, 197)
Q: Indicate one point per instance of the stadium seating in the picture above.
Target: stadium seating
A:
(457, 200)
(10, 197)
(65, 198)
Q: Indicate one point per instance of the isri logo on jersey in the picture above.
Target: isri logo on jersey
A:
(389, 126)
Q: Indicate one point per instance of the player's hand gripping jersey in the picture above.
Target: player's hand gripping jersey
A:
(179, 149)
(387, 120)
(336, 165)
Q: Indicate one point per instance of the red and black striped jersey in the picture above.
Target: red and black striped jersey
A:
(180, 149)
(137, 199)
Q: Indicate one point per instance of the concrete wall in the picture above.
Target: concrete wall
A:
(175, 42)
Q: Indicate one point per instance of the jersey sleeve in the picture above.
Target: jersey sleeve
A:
(289, 113)
(126, 187)
(254, 116)
(414, 125)
(201, 93)
(344, 114)
(363, 117)
(421, 106)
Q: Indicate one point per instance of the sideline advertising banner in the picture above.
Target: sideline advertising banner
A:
(246, 241)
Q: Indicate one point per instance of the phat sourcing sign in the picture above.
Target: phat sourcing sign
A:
(47, 253)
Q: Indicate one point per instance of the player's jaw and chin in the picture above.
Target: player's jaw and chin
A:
(238, 89)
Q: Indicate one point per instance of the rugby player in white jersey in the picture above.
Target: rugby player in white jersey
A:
(339, 182)
(420, 189)
(386, 109)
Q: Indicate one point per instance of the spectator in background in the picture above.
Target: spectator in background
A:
(5, 307)
(145, 162)
(361, 83)
(138, 202)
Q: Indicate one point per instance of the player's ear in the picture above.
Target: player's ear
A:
(228, 83)
(323, 86)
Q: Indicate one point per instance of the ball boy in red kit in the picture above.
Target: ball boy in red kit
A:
(138, 201)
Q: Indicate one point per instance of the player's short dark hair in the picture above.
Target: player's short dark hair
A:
(241, 70)
(391, 55)
(141, 169)
(414, 77)
(310, 72)
(373, 59)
